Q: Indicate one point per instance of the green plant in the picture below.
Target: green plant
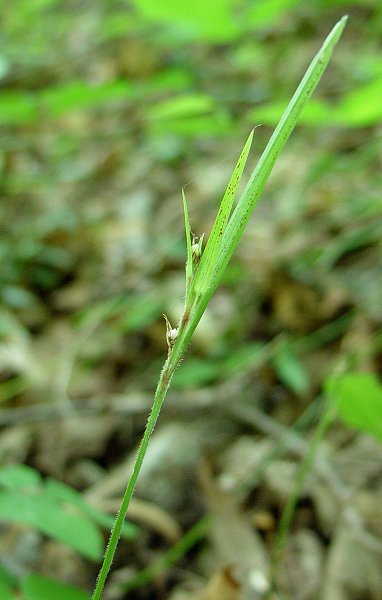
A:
(53, 508)
(57, 511)
(37, 587)
(203, 273)
(358, 398)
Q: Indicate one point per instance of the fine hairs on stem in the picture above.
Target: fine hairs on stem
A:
(205, 267)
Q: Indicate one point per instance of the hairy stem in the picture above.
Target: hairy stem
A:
(225, 235)
(160, 394)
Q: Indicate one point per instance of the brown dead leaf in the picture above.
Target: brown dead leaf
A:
(222, 586)
(237, 545)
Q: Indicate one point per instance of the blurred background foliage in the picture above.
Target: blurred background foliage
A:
(107, 108)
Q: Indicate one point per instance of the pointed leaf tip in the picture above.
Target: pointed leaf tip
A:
(204, 274)
(188, 244)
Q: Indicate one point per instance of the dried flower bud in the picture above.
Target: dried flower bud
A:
(196, 248)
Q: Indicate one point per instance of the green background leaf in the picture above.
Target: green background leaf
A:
(37, 587)
(359, 397)
(25, 499)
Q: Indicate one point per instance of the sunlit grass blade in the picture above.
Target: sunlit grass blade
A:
(213, 246)
(189, 249)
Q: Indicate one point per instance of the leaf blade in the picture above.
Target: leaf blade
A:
(276, 143)
(215, 239)
(359, 402)
(189, 249)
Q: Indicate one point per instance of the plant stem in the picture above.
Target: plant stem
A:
(186, 328)
(160, 394)
(323, 424)
(225, 235)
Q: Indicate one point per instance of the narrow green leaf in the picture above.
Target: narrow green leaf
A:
(213, 246)
(279, 137)
(291, 370)
(192, 315)
(189, 250)
(255, 186)
(359, 401)
(38, 587)
(19, 477)
(42, 511)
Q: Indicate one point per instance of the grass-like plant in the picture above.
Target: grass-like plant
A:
(204, 268)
